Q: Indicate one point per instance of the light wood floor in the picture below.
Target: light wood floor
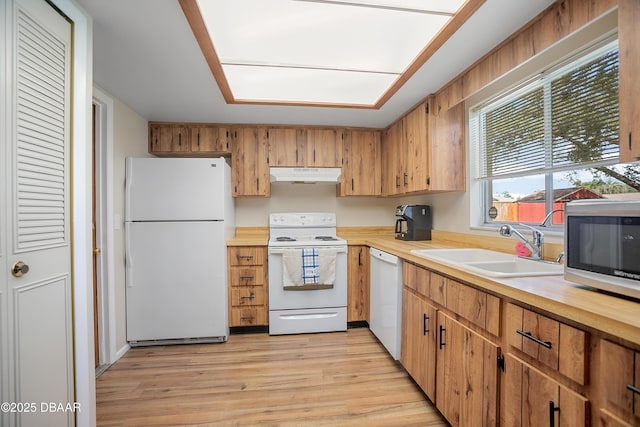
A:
(339, 379)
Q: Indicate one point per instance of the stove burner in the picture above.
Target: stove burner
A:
(285, 239)
(325, 238)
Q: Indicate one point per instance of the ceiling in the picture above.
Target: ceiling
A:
(146, 55)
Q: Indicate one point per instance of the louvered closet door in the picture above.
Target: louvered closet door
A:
(39, 301)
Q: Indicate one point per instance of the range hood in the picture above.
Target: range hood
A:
(306, 175)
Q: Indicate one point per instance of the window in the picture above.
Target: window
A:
(551, 141)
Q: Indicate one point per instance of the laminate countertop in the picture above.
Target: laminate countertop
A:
(609, 314)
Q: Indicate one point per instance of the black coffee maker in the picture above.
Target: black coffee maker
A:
(413, 222)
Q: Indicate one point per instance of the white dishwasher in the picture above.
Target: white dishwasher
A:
(386, 300)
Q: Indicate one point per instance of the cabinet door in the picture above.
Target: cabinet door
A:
(467, 375)
(324, 148)
(358, 284)
(361, 168)
(168, 139)
(446, 151)
(250, 171)
(418, 355)
(621, 375)
(209, 139)
(531, 399)
(393, 155)
(286, 147)
(628, 36)
(416, 172)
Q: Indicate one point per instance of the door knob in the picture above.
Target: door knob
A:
(19, 269)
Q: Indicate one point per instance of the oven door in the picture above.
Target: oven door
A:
(304, 298)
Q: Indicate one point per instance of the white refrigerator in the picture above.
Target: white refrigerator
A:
(178, 217)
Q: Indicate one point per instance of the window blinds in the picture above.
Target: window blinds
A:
(562, 121)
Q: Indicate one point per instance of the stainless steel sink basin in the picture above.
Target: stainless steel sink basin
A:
(490, 263)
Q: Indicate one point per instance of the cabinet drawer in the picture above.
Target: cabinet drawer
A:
(552, 343)
(438, 288)
(416, 278)
(248, 316)
(248, 295)
(247, 255)
(247, 276)
(478, 307)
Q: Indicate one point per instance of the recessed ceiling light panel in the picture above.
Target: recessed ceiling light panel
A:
(335, 52)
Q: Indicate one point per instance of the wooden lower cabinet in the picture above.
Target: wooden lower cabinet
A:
(554, 344)
(467, 391)
(621, 397)
(533, 399)
(248, 290)
(418, 354)
(554, 372)
(358, 284)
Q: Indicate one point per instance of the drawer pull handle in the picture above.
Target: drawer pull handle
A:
(425, 318)
(248, 297)
(245, 256)
(442, 343)
(634, 389)
(247, 277)
(546, 344)
(552, 410)
(250, 318)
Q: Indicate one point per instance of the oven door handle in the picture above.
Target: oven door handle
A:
(279, 251)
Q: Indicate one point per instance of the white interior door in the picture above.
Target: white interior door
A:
(38, 304)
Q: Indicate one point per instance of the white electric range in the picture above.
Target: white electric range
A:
(308, 308)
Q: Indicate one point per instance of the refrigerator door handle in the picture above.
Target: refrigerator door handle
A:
(128, 183)
(128, 262)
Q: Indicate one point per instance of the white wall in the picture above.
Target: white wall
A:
(350, 211)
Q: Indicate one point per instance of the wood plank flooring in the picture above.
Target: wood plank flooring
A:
(332, 379)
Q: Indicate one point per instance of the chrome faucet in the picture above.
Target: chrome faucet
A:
(537, 242)
(535, 246)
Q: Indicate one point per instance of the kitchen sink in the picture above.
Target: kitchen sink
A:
(491, 263)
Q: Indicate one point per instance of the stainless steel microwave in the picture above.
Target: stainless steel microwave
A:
(602, 245)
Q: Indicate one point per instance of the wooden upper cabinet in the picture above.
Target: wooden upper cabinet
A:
(393, 159)
(305, 147)
(446, 150)
(416, 173)
(249, 168)
(324, 148)
(629, 89)
(189, 139)
(287, 147)
(361, 163)
(209, 139)
(424, 151)
(166, 139)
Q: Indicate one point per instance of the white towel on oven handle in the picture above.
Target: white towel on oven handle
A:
(292, 267)
(327, 265)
